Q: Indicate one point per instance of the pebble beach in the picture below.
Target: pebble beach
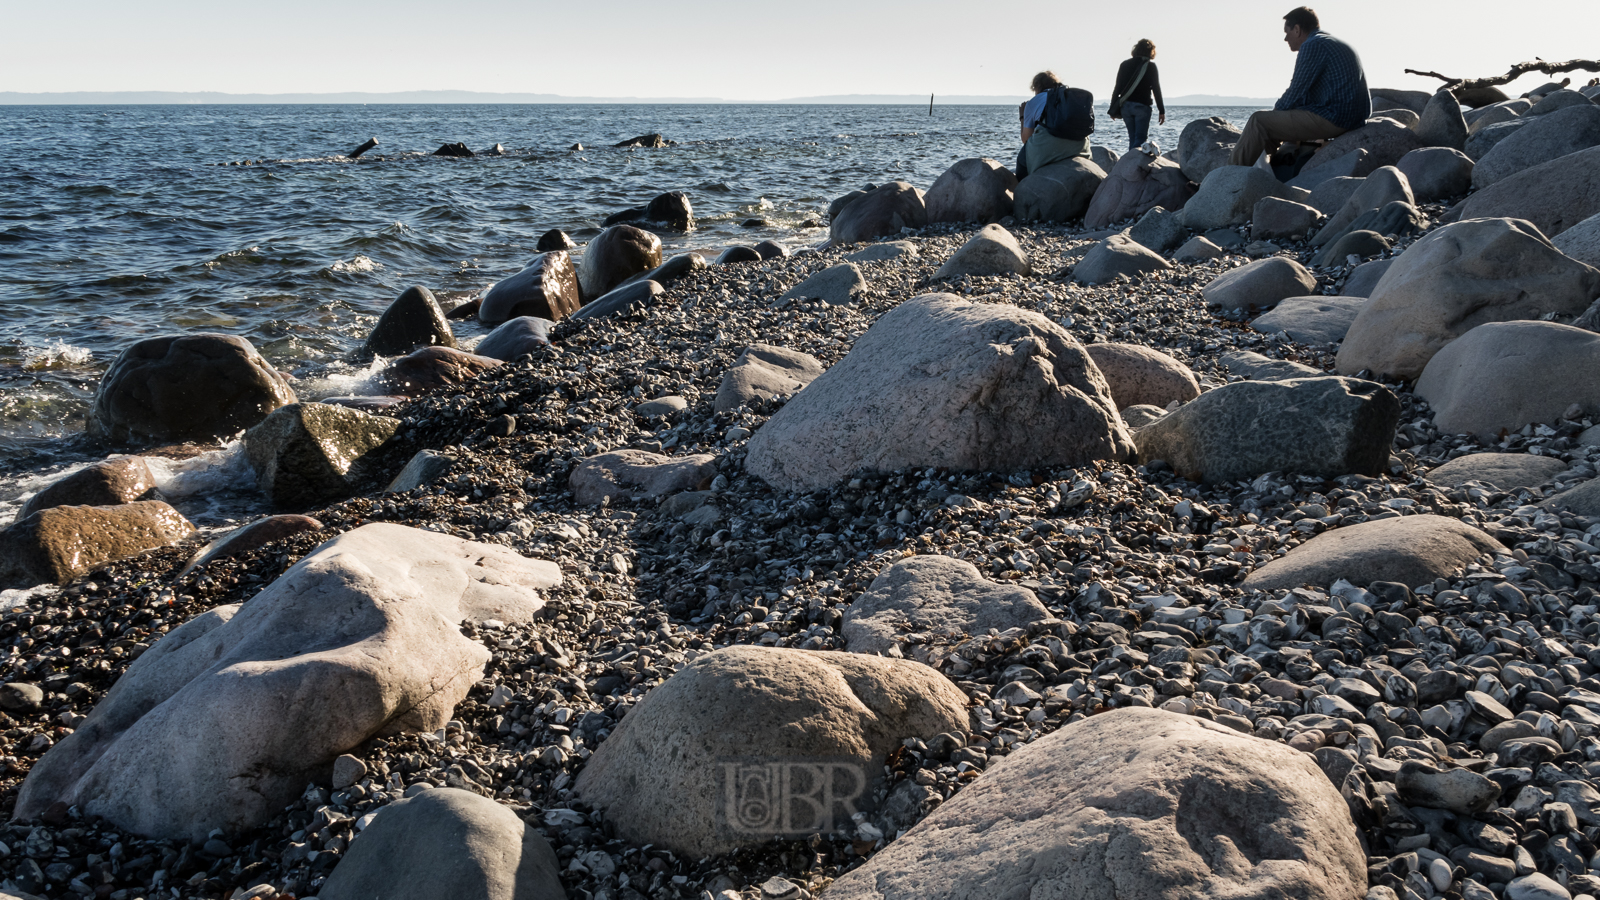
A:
(1247, 614)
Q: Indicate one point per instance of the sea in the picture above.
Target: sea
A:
(119, 223)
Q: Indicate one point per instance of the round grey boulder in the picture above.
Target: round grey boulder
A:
(943, 600)
(446, 843)
(1260, 284)
(1412, 550)
(698, 765)
(992, 251)
(614, 256)
(972, 190)
(1139, 375)
(1133, 803)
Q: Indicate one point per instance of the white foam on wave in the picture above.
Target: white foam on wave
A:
(341, 380)
(226, 469)
(357, 265)
(59, 355)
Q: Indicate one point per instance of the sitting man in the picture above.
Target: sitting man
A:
(1327, 97)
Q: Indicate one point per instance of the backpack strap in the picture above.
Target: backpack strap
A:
(1136, 79)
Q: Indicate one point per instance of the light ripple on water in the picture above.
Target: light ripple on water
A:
(126, 222)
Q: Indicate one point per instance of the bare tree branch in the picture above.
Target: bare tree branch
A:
(1517, 71)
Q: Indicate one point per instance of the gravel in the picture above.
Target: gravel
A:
(1139, 569)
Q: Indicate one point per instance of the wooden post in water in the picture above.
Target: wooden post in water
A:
(930, 104)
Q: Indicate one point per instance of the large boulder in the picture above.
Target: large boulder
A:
(1229, 195)
(1059, 192)
(1275, 218)
(432, 369)
(1331, 195)
(992, 251)
(447, 843)
(614, 256)
(1117, 255)
(1311, 320)
(1443, 124)
(972, 190)
(1382, 187)
(1504, 375)
(1412, 550)
(309, 453)
(1436, 173)
(197, 387)
(1132, 803)
(61, 543)
(1384, 140)
(1311, 426)
(1137, 184)
(837, 285)
(226, 719)
(1454, 279)
(511, 339)
(1559, 99)
(880, 212)
(1205, 145)
(1545, 138)
(1141, 376)
(110, 482)
(633, 475)
(941, 381)
(763, 371)
(1581, 241)
(673, 269)
(688, 769)
(630, 298)
(1158, 230)
(1506, 471)
(1554, 196)
(1260, 284)
(1489, 134)
(413, 320)
(546, 289)
(943, 601)
(671, 210)
(1351, 165)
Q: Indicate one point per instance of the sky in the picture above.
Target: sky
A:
(751, 51)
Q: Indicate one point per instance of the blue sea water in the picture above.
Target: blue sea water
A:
(123, 222)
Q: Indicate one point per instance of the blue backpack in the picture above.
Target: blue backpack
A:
(1068, 113)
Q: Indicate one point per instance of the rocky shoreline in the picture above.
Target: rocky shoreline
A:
(1451, 696)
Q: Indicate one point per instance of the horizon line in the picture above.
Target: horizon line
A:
(426, 97)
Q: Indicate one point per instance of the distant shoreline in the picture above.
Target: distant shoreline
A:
(417, 98)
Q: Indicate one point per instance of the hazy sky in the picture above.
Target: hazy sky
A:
(750, 51)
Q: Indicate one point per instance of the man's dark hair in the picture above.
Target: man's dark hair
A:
(1304, 18)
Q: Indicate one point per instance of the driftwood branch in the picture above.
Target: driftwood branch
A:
(1517, 71)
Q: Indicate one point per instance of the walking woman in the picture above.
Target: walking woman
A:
(1137, 82)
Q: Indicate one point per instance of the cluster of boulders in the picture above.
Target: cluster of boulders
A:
(1131, 610)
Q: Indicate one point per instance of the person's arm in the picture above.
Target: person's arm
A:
(1026, 133)
(1155, 88)
(1307, 69)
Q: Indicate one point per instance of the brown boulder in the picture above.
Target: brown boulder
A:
(61, 543)
(109, 483)
(546, 289)
(1137, 184)
(1139, 375)
(972, 190)
(614, 256)
(197, 387)
(432, 368)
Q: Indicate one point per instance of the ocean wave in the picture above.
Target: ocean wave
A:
(356, 265)
(59, 355)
